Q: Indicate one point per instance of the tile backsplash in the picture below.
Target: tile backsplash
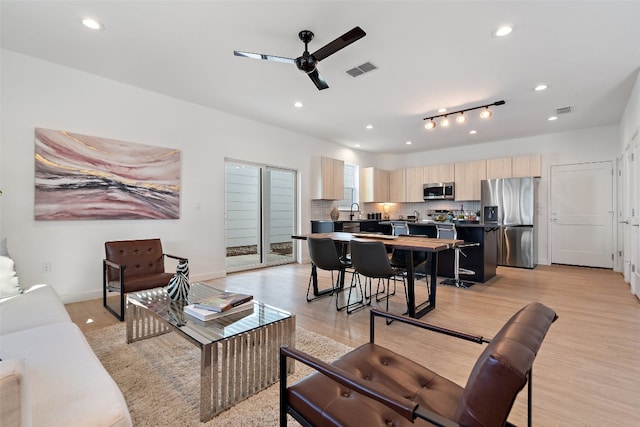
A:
(320, 209)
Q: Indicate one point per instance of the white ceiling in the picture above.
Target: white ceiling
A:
(429, 54)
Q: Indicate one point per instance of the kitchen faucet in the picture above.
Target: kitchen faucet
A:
(417, 214)
(351, 213)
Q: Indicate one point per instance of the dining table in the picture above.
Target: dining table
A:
(410, 244)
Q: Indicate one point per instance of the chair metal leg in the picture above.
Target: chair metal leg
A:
(364, 300)
(313, 282)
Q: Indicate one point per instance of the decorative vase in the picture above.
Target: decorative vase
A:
(179, 286)
(334, 214)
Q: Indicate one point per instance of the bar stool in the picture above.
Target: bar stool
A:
(448, 231)
(370, 259)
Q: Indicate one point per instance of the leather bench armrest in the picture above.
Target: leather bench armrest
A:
(180, 258)
(111, 263)
(419, 324)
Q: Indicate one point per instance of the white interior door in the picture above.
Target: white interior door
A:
(582, 214)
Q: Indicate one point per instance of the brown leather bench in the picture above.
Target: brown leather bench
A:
(131, 266)
(373, 386)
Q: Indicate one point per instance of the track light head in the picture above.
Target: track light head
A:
(486, 113)
(444, 122)
(430, 125)
(461, 118)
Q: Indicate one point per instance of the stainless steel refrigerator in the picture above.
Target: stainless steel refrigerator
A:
(515, 201)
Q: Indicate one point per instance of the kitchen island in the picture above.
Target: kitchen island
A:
(482, 259)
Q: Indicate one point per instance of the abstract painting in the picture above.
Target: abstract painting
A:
(87, 177)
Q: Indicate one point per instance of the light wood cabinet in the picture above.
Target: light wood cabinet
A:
(397, 186)
(467, 179)
(374, 185)
(499, 168)
(438, 173)
(327, 178)
(525, 166)
(414, 181)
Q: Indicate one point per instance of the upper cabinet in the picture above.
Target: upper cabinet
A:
(374, 185)
(438, 173)
(397, 186)
(499, 168)
(414, 180)
(524, 166)
(467, 178)
(328, 179)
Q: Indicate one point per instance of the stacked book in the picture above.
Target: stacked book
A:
(220, 305)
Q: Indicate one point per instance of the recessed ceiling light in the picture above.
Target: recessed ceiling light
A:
(357, 145)
(298, 104)
(540, 87)
(503, 31)
(442, 110)
(473, 132)
(408, 142)
(369, 126)
(92, 24)
(552, 118)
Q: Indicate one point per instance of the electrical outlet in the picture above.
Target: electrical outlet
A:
(46, 267)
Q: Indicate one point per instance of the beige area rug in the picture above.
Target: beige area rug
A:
(160, 378)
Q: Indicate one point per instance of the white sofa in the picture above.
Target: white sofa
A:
(49, 375)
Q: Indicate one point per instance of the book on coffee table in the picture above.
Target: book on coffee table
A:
(204, 315)
(223, 301)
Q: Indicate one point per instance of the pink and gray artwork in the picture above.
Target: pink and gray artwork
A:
(87, 177)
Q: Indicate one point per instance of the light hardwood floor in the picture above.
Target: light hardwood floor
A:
(587, 372)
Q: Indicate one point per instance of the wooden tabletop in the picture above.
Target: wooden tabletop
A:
(412, 243)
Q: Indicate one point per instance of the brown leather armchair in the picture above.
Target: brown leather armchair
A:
(373, 386)
(131, 266)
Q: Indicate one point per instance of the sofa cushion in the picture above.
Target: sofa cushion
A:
(37, 306)
(68, 385)
(15, 408)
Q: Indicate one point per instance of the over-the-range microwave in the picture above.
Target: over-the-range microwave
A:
(439, 191)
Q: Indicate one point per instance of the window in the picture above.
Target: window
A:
(351, 186)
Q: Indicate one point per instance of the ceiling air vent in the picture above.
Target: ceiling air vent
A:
(564, 110)
(361, 69)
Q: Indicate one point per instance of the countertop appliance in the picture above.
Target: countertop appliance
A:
(515, 202)
(438, 191)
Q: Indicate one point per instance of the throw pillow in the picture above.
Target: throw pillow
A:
(9, 285)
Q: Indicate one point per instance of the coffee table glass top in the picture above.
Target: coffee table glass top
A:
(158, 302)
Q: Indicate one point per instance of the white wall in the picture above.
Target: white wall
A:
(36, 93)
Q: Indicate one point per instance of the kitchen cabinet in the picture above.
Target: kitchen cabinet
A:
(327, 179)
(374, 185)
(499, 168)
(438, 173)
(526, 166)
(467, 179)
(414, 180)
(397, 186)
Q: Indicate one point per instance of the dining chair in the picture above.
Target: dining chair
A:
(448, 231)
(324, 256)
(370, 260)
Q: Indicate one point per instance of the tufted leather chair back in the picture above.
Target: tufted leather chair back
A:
(503, 368)
(138, 256)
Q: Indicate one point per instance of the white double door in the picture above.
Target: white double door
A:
(582, 214)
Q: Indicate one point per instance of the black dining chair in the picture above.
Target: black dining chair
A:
(370, 260)
(324, 256)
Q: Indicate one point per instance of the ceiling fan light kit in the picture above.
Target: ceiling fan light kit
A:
(460, 116)
(308, 62)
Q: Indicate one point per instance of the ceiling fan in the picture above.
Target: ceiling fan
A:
(308, 61)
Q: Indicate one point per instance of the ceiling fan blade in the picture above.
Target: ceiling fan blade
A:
(341, 42)
(265, 57)
(318, 80)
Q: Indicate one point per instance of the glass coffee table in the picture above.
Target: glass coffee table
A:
(239, 351)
